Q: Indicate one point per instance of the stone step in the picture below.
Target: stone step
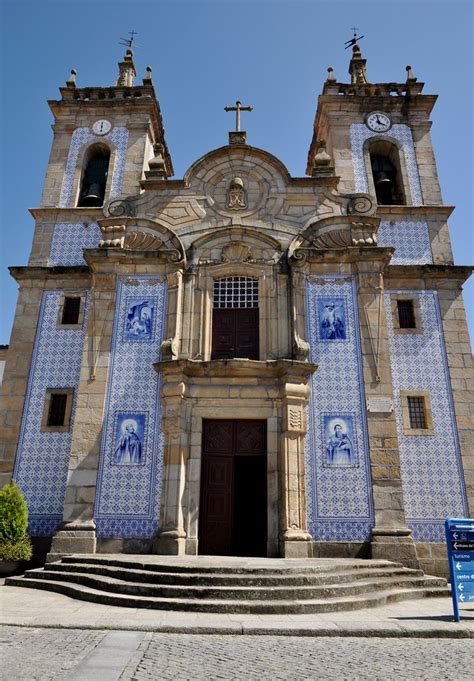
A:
(363, 600)
(254, 593)
(212, 564)
(219, 579)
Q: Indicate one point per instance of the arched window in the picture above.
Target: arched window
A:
(235, 318)
(386, 173)
(94, 176)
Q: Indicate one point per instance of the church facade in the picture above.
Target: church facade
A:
(241, 362)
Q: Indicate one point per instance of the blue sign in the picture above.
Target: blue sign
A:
(460, 542)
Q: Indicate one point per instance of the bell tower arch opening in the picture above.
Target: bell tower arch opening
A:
(94, 176)
(387, 173)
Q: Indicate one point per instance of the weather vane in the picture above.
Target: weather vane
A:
(354, 39)
(128, 42)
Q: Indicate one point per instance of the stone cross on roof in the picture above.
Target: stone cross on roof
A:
(238, 108)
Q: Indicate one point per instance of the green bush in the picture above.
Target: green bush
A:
(13, 514)
(16, 550)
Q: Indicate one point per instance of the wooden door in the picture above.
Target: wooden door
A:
(233, 515)
(235, 333)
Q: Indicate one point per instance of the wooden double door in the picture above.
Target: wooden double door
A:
(233, 508)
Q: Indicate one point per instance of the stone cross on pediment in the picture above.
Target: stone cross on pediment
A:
(238, 108)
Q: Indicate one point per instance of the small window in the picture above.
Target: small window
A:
(416, 412)
(417, 415)
(406, 314)
(71, 309)
(57, 410)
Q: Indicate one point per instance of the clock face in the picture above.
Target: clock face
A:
(378, 121)
(102, 127)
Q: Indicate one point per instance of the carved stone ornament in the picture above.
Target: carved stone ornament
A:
(141, 241)
(236, 252)
(361, 204)
(119, 208)
(113, 236)
(236, 195)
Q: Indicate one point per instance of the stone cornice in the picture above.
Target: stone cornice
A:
(422, 273)
(22, 273)
(56, 214)
(406, 212)
(223, 368)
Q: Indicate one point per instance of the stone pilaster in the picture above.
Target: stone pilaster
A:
(391, 538)
(171, 538)
(295, 541)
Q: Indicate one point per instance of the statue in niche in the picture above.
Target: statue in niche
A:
(236, 195)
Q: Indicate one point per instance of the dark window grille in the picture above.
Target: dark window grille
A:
(235, 292)
(71, 309)
(57, 409)
(416, 412)
(406, 314)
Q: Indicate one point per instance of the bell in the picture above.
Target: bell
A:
(383, 181)
(94, 196)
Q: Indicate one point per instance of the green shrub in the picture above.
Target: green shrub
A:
(13, 514)
(16, 550)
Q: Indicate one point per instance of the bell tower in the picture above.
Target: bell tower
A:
(105, 140)
(379, 136)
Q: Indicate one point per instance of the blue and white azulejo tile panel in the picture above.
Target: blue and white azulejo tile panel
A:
(432, 479)
(399, 132)
(117, 137)
(411, 241)
(131, 460)
(69, 240)
(43, 458)
(339, 489)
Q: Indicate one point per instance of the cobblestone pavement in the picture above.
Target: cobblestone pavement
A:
(40, 654)
(43, 653)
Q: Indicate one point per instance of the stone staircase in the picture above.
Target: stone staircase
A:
(232, 585)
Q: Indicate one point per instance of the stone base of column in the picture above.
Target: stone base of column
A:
(395, 544)
(296, 543)
(170, 543)
(74, 537)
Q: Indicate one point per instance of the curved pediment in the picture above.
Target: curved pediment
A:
(141, 234)
(335, 232)
(235, 244)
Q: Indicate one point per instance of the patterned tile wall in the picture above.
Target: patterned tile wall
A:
(69, 240)
(337, 461)
(130, 468)
(402, 134)
(410, 238)
(118, 137)
(431, 471)
(42, 458)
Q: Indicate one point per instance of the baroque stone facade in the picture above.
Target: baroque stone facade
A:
(318, 321)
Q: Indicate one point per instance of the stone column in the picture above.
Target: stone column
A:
(171, 539)
(295, 541)
(391, 538)
(77, 532)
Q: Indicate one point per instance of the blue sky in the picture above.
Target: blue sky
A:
(272, 54)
